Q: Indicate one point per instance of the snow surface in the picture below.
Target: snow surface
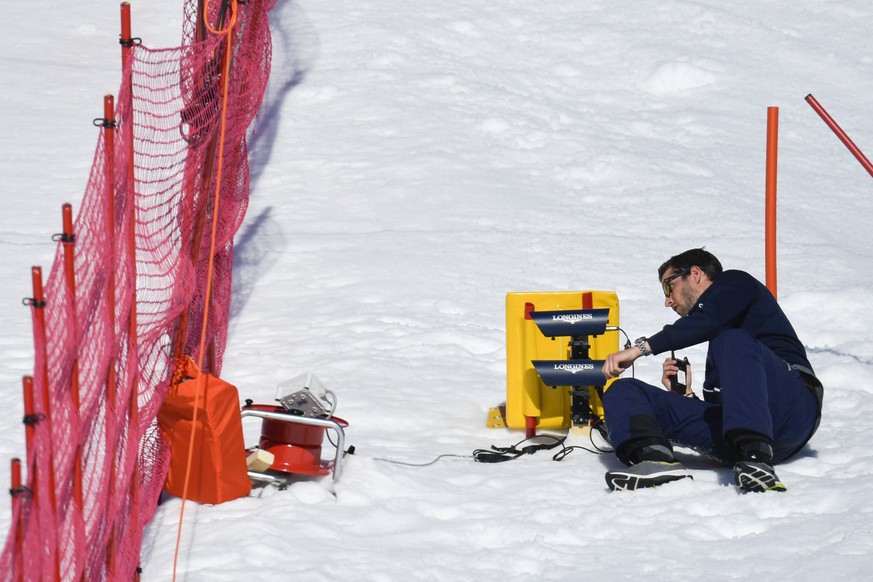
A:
(412, 163)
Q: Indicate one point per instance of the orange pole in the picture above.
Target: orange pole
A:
(770, 205)
(39, 313)
(30, 420)
(109, 150)
(131, 217)
(68, 238)
(29, 416)
(109, 147)
(15, 473)
(133, 403)
(835, 127)
(68, 241)
(126, 40)
(19, 537)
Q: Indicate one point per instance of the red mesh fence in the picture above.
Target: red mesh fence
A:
(108, 334)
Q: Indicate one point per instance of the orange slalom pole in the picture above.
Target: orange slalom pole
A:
(847, 141)
(770, 195)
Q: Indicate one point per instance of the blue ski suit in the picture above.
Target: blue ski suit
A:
(758, 379)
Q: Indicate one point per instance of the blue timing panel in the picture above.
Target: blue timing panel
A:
(570, 372)
(571, 322)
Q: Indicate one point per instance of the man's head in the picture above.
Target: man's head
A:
(685, 276)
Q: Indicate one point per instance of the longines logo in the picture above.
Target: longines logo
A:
(572, 317)
(573, 368)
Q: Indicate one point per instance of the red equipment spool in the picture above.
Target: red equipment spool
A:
(296, 446)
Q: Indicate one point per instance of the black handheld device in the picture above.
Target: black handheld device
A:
(678, 383)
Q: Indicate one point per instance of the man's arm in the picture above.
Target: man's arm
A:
(618, 362)
(720, 307)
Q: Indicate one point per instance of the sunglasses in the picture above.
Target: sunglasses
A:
(667, 283)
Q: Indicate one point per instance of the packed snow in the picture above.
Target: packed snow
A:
(415, 161)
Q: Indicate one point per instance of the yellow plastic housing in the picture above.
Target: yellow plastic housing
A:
(526, 395)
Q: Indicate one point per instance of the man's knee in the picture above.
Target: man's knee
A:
(622, 389)
(731, 338)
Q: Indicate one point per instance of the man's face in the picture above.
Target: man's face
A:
(682, 294)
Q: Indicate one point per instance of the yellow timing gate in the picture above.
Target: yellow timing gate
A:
(546, 333)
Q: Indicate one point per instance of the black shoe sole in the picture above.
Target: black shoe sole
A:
(628, 480)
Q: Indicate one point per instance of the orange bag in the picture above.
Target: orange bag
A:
(218, 464)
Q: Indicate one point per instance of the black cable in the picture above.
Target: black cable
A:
(421, 464)
(512, 452)
(596, 450)
(627, 344)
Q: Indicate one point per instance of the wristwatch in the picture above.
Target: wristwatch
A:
(640, 342)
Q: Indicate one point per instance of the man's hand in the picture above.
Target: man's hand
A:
(618, 362)
(671, 369)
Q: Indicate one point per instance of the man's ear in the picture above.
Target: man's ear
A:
(699, 276)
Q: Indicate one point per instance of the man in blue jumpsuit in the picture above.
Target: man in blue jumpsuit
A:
(761, 399)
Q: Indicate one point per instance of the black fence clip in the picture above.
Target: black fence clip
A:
(20, 491)
(105, 123)
(64, 237)
(129, 42)
(31, 302)
(32, 419)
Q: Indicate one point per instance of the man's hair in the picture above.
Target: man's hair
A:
(700, 258)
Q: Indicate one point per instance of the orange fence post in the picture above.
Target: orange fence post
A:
(109, 149)
(30, 420)
(15, 481)
(770, 204)
(126, 44)
(125, 40)
(38, 304)
(16, 490)
(68, 242)
(847, 141)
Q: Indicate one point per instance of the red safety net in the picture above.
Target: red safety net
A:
(108, 337)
